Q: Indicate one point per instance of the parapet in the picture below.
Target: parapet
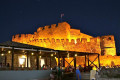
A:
(39, 29)
(46, 27)
(83, 40)
(108, 37)
(93, 40)
(22, 35)
(78, 40)
(17, 36)
(58, 40)
(62, 25)
(72, 41)
(53, 26)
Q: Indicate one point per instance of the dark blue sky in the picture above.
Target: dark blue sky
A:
(93, 17)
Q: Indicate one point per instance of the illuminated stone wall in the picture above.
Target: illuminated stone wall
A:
(61, 37)
(108, 45)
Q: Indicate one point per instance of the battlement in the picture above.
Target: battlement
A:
(18, 37)
(61, 37)
(67, 44)
(53, 26)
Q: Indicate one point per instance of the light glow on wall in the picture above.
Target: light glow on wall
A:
(42, 62)
(75, 55)
(71, 40)
(9, 52)
(68, 56)
(23, 56)
(51, 54)
(32, 53)
(21, 61)
(40, 56)
(2, 54)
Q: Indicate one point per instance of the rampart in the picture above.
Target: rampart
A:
(81, 45)
(62, 37)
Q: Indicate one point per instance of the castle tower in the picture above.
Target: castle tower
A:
(107, 44)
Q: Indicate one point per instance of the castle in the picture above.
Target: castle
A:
(62, 37)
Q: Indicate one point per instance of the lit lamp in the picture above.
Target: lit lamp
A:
(9, 52)
(55, 53)
(75, 55)
(40, 56)
(55, 57)
(23, 56)
(51, 54)
(68, 55)
(2, 54)
(32, 53)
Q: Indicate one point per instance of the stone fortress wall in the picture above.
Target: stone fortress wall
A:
(62, 37)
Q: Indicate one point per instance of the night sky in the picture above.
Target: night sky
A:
(92, 17)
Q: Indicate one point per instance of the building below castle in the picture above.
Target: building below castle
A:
(62, 37)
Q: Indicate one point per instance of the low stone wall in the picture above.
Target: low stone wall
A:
(109, 74)
(25, 75)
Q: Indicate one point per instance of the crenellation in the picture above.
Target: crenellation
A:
(78, 40)
(39, 29)
(64, 25)
(37, 40)
(17, 36)
(61, 37)
(83, 40)
(57, 40)
(52, 40)
(44, 40)
(62, 40)
(53, 26)
(46, 27)
(22, 35)
(92, 40)
(35, 33)
(72, 41)
(13, 38)
(40, 40)
(48, 40)
(95, 40)
(67, 40)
